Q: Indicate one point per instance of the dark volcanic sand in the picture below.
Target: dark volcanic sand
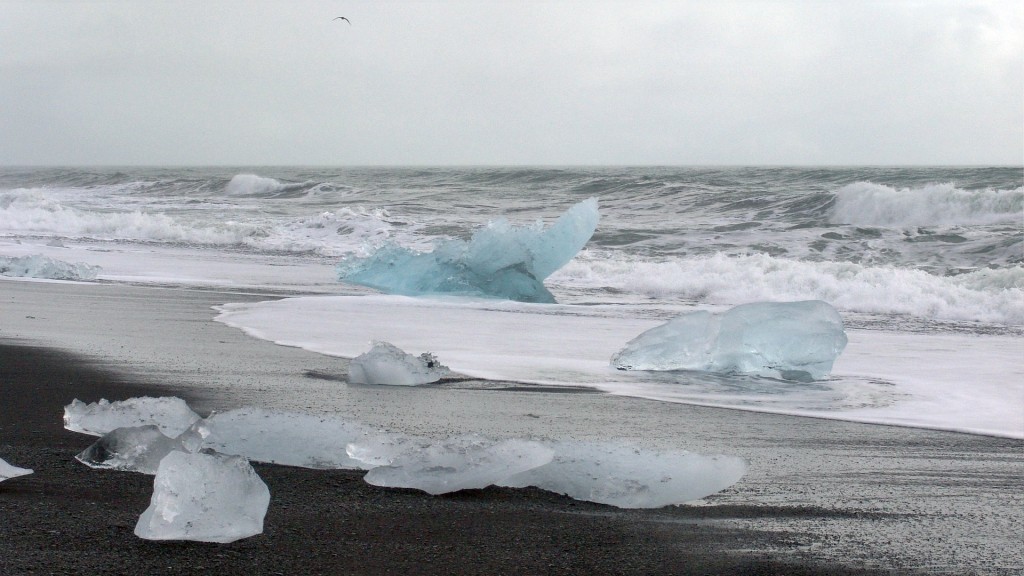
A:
(69, 519)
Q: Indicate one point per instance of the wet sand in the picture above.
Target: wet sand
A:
(821, 497)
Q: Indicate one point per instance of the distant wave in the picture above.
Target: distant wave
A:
(260, 186)
(868, 204)
(992, 296)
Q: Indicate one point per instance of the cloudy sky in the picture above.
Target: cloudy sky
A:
(411, 83)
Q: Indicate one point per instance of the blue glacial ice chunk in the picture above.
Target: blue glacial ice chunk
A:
(385, 363)
(39, 266)
(499, 261)
(628, 477)
(788, 340)
(207, 497)
(8, 471)
(131, 449)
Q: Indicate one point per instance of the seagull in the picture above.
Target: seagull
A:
(345, 19)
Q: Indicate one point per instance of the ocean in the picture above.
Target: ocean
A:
(925, 265)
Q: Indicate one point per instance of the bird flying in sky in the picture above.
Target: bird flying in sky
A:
(345, 19)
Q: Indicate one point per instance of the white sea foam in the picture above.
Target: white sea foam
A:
(995, 296)
(955, 382)
(869, 204)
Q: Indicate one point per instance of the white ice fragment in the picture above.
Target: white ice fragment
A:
(440, 467)
(789, 340)
(39, 266)
(207, 497)
(499, 261)
(132, 449)
(7, 471)
(629, 477)
(385, 363)
(171, 414)
(289, 438)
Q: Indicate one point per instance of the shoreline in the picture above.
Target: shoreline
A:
(821, 496)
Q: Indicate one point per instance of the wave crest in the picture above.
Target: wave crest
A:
(262, 187)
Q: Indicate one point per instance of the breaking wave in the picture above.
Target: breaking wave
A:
(869, 204)
(259, 186)
(991, 296)
(331, 233)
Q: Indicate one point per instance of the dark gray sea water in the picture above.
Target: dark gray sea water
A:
(929, 243)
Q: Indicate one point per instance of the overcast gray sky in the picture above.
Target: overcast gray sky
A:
(446, 82)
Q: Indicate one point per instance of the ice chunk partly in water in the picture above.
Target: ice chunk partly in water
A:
(132, 449)
(207, 497)
(789, 340)
(289, 438)
(440, 467)
(628, 477)
(499, 261)
(171, 414)
(7, 471)
(39, 266)
(385, 363)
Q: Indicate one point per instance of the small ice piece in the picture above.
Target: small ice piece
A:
(499, 261)
(204, 496)
(385, 363)
(7, 471)
(132, 449)
(171, 414)
(788, 340)
(440, 467)
(39, 266)
(288, 438)
(628, 477)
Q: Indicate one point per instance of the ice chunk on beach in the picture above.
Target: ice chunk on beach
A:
(385, 363)
(289, 438)
(132, 449)
(628, 477)
(499, 261)
(207, 497)
(171, 414)
(8, 471)
(440, 467)
(789, 340)
(39, 266)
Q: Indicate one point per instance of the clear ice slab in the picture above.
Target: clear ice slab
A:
(498, 261)
(788, 340)
(440, 467)
(627, 477)
(8, 471)
(171, 414)
(385, 363)
(39, 266)
(288, 438)
(205, 496)
(131, 449)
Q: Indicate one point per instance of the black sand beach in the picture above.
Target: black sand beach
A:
(821, 497)
(68, 519)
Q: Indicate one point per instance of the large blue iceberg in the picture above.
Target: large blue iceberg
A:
(788, 340)
(499, 261)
